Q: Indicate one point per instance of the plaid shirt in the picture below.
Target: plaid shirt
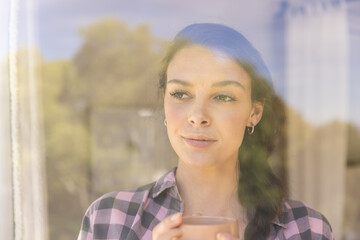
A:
(133, 214)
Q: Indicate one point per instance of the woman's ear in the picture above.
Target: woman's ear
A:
(256, 113)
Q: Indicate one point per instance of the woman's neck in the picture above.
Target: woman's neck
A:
(209, 191)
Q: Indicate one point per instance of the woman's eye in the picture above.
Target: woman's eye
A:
(179, 95)
(224, 98)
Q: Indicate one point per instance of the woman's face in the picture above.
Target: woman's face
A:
(207, 106)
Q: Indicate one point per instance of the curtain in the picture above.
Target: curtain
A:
(25, 155)
(6, 220)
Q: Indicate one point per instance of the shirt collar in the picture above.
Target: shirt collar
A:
(168, 182)
(284, 217)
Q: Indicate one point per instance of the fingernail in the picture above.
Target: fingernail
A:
(175, 217)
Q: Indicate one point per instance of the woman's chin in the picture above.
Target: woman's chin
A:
(198, 160)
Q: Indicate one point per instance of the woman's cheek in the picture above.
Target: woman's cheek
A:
(174, 113)
(236, 124)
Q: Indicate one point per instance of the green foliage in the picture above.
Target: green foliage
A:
(353, 145)
(115, 67)
(67, 153)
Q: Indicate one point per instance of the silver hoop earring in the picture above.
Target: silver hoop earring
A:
(251, 130)
(165, 122)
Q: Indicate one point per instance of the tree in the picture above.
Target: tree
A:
(116, 67)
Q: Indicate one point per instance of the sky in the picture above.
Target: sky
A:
(56, 25)
(59, 21)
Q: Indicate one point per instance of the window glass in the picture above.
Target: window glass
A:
(90, 116)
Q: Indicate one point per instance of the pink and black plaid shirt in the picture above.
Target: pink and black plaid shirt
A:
(132, 215)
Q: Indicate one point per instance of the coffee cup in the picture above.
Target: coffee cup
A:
(206, 227)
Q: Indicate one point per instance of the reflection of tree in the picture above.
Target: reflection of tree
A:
(67, 154)
(113, 64)
(116, 66)
(352, 205)
(353, 145)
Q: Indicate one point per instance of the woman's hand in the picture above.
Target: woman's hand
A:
(168, 229)
(225, 236)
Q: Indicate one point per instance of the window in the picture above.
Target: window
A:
(79, 92)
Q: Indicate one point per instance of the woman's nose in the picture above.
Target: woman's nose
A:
(198, 116)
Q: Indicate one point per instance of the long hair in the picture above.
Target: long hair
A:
(260, 191)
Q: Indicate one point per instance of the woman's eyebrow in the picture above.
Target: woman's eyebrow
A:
(178, 81)
(228, 82)
(217, 84)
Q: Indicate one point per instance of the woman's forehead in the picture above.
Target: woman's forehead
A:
(199, 52)
(201, 63)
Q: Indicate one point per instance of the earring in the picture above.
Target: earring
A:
(165, 122)
(251, 130)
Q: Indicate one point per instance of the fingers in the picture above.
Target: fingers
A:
(171, 234)
(167, 229)
(225, 236)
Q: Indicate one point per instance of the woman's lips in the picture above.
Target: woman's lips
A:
(198, 142)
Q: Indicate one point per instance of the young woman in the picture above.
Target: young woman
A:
(222, 122)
